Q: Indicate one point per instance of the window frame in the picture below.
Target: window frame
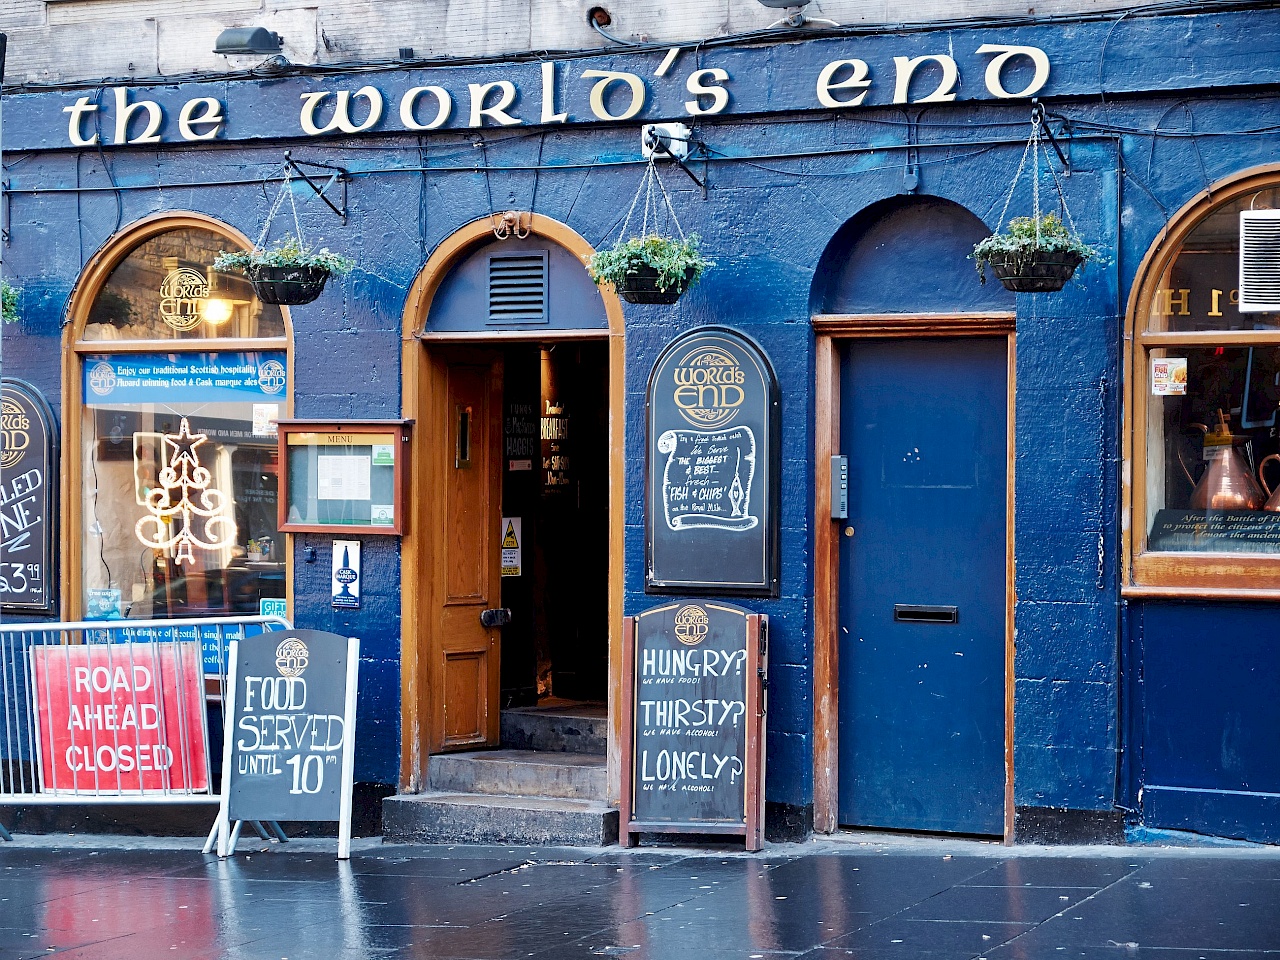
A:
(76, 348)
(1153, 573)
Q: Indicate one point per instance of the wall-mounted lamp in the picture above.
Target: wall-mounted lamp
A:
(247, 40)
(780, 4)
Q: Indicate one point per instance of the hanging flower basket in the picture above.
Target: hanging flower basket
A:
(651, 269)
(1036, 255)
(653, 266)
(1039, 253)
(1043, 272)
(287, 285)
(287, 273)
(644, 285)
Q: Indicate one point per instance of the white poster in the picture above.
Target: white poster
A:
(342, 478)
(265, 416)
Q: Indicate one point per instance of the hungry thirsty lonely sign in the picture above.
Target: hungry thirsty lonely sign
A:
(694, 674)
(290, 730)
(28, 505)
(712, 466)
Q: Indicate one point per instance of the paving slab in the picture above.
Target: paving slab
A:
(873, 898)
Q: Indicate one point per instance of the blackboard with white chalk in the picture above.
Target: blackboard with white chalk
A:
(694, 712)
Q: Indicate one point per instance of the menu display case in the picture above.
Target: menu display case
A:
(343, 476)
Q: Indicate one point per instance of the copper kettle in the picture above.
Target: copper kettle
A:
(1273, 496)
(1227, 482)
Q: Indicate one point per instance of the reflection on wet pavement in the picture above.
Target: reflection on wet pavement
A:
(495, 903)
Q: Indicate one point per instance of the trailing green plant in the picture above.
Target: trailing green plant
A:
(677, 261)
(9, 300)
(1021, 241)
(289, 252)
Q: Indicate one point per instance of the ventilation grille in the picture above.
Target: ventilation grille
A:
(518, 288)
(1259, 261)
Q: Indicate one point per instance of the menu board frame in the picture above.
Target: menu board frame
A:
(37, 410)
(712, 386)
(666, 627)
(323, 435)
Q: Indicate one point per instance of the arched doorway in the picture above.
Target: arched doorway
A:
(913, 586)
(513, 375)
(166, 358)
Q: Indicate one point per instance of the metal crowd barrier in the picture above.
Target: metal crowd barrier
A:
(118, 747)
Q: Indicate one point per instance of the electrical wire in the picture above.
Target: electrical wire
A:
(1163, 7)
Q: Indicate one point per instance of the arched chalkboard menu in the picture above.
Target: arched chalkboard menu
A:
(712, 517)
(28, 500)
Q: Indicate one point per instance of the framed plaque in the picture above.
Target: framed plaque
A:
(344, 477)
(28, 500)
(712, 478)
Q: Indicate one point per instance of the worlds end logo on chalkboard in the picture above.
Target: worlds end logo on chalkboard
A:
(292, 657)
(691, 624)
(709, 387)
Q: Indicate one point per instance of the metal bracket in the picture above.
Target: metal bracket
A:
(672, 141)
(339, 175)
(1037, 113)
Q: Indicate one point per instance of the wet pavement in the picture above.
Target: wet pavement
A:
(128, 899)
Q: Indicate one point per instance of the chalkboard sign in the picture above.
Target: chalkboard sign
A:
(28, 499)
(289, 720)
(693, 707)
(713, 467)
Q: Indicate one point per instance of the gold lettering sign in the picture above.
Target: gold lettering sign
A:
(182, 294)
(708, 387)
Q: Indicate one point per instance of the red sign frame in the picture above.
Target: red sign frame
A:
(121, 718)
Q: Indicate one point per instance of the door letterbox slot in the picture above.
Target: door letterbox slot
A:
(918, 613)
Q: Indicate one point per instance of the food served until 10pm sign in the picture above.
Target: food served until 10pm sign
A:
(289, 752)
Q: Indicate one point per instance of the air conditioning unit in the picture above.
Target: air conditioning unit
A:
(1260, 261)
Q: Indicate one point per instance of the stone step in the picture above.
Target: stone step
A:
(568, 728)
(519, 773)
(442, 817)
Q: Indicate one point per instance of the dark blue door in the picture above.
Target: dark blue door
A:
(922, 585)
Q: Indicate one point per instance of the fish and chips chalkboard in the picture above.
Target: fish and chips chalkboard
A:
(289, 715)
(713, 467)
(694, 712)
(28, 499)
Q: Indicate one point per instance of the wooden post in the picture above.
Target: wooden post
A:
(625, 837)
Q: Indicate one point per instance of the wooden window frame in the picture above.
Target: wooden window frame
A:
(1170, 574)
(93, 278)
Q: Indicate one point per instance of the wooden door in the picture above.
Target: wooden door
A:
(466, 487)
(922, 592)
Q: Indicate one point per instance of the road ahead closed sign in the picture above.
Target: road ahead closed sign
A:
(291, 727)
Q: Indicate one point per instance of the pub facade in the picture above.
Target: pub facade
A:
(1016, 551)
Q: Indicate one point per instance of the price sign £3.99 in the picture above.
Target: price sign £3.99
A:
(290, 730)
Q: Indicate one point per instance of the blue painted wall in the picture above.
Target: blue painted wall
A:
(767, 221)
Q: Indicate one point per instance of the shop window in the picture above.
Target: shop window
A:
(177, 436)
(1205, 393)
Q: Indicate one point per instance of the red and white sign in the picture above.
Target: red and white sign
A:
(121, 718)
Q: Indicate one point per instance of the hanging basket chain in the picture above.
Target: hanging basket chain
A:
(652, 210)
(1035, 148)
(286, 189)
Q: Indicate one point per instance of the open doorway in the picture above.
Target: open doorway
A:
(555, 509)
